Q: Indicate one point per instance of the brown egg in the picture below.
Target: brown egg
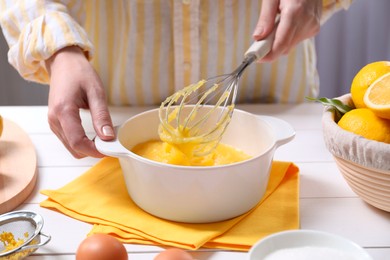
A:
(101, 247)
(173, 254)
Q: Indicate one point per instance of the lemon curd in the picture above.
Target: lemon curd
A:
(183, 154)
(185, 143)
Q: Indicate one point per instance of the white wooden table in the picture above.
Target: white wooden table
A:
(326, 201)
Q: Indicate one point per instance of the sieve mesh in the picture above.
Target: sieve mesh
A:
(20, 228)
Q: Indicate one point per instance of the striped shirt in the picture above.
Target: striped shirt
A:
(146, 50)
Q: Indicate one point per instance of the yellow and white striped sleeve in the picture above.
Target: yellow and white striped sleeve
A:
(329, 7)
(35, 30)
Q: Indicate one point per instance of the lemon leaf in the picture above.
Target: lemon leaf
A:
(339, 106)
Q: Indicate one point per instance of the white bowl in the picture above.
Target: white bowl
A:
(199, 194)
(306, 244)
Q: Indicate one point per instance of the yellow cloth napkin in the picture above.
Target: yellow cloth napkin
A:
(99, 197)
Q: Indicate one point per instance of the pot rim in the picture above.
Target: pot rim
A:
(282, 133)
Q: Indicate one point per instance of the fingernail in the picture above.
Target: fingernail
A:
(108, 131)
(258, 32)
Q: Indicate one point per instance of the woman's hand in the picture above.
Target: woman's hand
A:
(299, 20)
(74, 85)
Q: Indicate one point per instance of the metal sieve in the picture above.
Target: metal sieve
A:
(25, 227)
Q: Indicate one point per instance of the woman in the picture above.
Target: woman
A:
(94, 53)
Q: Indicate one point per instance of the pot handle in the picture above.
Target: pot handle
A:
(284, 132)
(111, 148)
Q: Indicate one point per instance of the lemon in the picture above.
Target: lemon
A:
(363, 122)
(377, 97)
(1, 125)
(364, 78)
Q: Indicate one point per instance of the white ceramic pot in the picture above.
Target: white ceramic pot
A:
(199, 194)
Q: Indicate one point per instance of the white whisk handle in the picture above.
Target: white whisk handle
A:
(262, 47)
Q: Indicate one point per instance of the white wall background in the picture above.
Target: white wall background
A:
(347, 42)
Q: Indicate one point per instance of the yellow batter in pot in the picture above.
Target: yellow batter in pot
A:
(183, 154)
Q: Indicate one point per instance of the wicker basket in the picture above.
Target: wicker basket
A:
(364, 164)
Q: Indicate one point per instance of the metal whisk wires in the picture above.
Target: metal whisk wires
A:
(200, 113)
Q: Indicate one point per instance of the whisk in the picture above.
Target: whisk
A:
(200, 113)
